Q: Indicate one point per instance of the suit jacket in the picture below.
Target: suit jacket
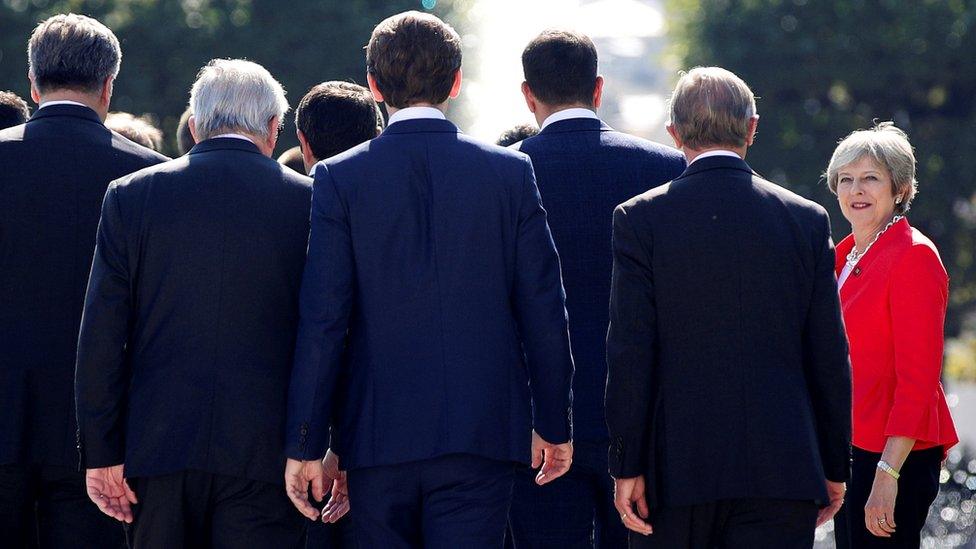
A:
(431, 250)
(894, 304)
(728, 369)
(584, 169)
(190, 319)
(55, 169)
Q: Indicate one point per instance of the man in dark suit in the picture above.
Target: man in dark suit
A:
(584, 169)
(56, 168)
(433, 316)
(189, 325)
(729, 392)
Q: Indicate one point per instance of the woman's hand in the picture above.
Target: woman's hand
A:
(879, 511)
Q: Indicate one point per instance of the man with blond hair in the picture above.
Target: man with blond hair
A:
(56, 167)
(729, 394)
(189, 325)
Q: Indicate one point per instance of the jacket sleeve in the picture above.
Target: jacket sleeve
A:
(325, 304)
(828, 370)
(102, 373)
(918, 293)
(631, 341)
(539, 303)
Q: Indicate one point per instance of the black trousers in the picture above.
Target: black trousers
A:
(48, 507)
(194, 509)
(732, 524)
(573, 511)
(450, 502)
(918, 484)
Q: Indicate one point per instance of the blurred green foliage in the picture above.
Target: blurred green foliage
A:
(822, 69)
(165, 42)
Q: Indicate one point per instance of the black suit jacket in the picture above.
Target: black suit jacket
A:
(728, 369)
(584, 169)
(53, 174)
(190, 319)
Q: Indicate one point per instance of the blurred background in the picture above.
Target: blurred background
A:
(820, 69)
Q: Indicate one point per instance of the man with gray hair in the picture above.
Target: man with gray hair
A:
(189, 326)
(729, 392)
(56, 167)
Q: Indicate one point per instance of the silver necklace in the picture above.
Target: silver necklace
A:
(854, 256)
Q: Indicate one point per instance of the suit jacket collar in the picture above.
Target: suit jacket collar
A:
(224, 144)
(576, 125)
(75, 111)
(422, 125)
(715, 163)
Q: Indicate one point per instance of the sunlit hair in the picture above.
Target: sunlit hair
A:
(139, 129)
(889, 147)
(711, 106)
(75, 52)
(234, 95)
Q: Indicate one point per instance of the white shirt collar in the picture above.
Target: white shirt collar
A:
(566, 114)
(413, 113)
(61, 102)
(716, 152)
(234, 135)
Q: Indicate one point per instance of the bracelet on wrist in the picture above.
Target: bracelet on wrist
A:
(884, 466)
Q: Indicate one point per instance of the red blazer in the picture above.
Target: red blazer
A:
(894, 305)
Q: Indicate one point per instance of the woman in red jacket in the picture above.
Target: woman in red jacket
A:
(893, 291)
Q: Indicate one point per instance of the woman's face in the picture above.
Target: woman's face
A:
(864, 192)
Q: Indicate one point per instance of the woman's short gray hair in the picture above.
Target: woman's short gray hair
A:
(70, 51)
(711, 106)
(235, 95)
(889, 147)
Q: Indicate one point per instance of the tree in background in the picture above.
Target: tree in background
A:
(824, 69)
(164, 44)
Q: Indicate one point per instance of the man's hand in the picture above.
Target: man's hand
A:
(626, 493)
(338, 504)
(109, 490)
(298, 476)
(555, 459)
(835, 493)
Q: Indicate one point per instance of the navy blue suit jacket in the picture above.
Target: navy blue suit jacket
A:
(189, 325)
(584, 169)
(728, 369)
(432, 308)
(53, 174)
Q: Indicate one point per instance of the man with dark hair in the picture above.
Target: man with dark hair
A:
(13, 110)
(184, 139)
(56, 168)
(334, 117)
(433, 351)
(516, 134)
(584, 169)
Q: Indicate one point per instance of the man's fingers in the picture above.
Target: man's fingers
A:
(642, 509)
(318, 487)
(129, 493)
(634, 523)
(298, 494)
(537, 457)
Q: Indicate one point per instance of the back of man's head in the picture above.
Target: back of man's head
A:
(72, 52)
(712, 107)
(139, 129)
(184, 139)
(560, 68)
(293, 159)
(336, 116)
(414, 58)
(234, 95)
(13, 110)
